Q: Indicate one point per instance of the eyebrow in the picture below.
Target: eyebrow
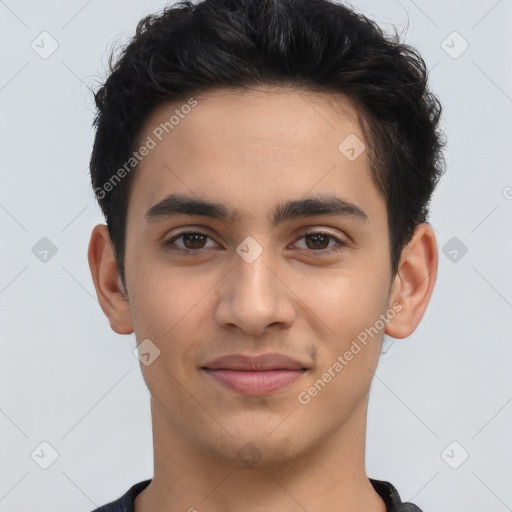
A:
(175, 204)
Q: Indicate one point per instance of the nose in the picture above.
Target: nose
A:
(254, 297)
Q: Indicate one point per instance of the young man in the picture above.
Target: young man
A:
(265, 169)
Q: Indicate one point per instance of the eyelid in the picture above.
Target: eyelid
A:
(324, 231)
(309, 230)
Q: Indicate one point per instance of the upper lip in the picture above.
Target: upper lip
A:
(270, 361)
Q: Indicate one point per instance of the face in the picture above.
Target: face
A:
(251, 277)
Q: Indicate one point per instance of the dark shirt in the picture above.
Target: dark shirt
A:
(386, 490)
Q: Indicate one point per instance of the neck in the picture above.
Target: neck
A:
(327, 476)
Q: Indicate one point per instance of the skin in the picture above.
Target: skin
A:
(251, 151)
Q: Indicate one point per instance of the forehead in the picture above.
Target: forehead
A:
(251, 148)
(277, 116)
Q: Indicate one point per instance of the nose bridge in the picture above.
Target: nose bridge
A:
(253, 297)
(257, 279)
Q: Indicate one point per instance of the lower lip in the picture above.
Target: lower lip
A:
(255, 383)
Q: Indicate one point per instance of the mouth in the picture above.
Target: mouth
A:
(255, 376)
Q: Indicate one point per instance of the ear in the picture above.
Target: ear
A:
(107, 281)
(414, 282)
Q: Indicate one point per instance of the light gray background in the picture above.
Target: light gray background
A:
(68, 380)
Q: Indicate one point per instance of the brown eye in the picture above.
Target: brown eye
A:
(192, 242)
(318, 242)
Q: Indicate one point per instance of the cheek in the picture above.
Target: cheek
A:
(164, 297)
(349, 307)
(173, 310)
(345, 300)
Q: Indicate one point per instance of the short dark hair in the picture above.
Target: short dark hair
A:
(310, 45)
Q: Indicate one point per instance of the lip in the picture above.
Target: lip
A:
(255, 375)
(262, 362)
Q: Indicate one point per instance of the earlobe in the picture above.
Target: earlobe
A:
(105, 275)
(414, 282)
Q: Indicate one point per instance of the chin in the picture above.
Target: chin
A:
(255, 450)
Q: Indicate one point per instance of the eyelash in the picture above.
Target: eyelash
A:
(341, 244)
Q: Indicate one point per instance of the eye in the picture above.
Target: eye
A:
(318, 242)
(194, 241)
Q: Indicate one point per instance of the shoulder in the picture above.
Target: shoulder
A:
(125, 502)
(391, 497)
